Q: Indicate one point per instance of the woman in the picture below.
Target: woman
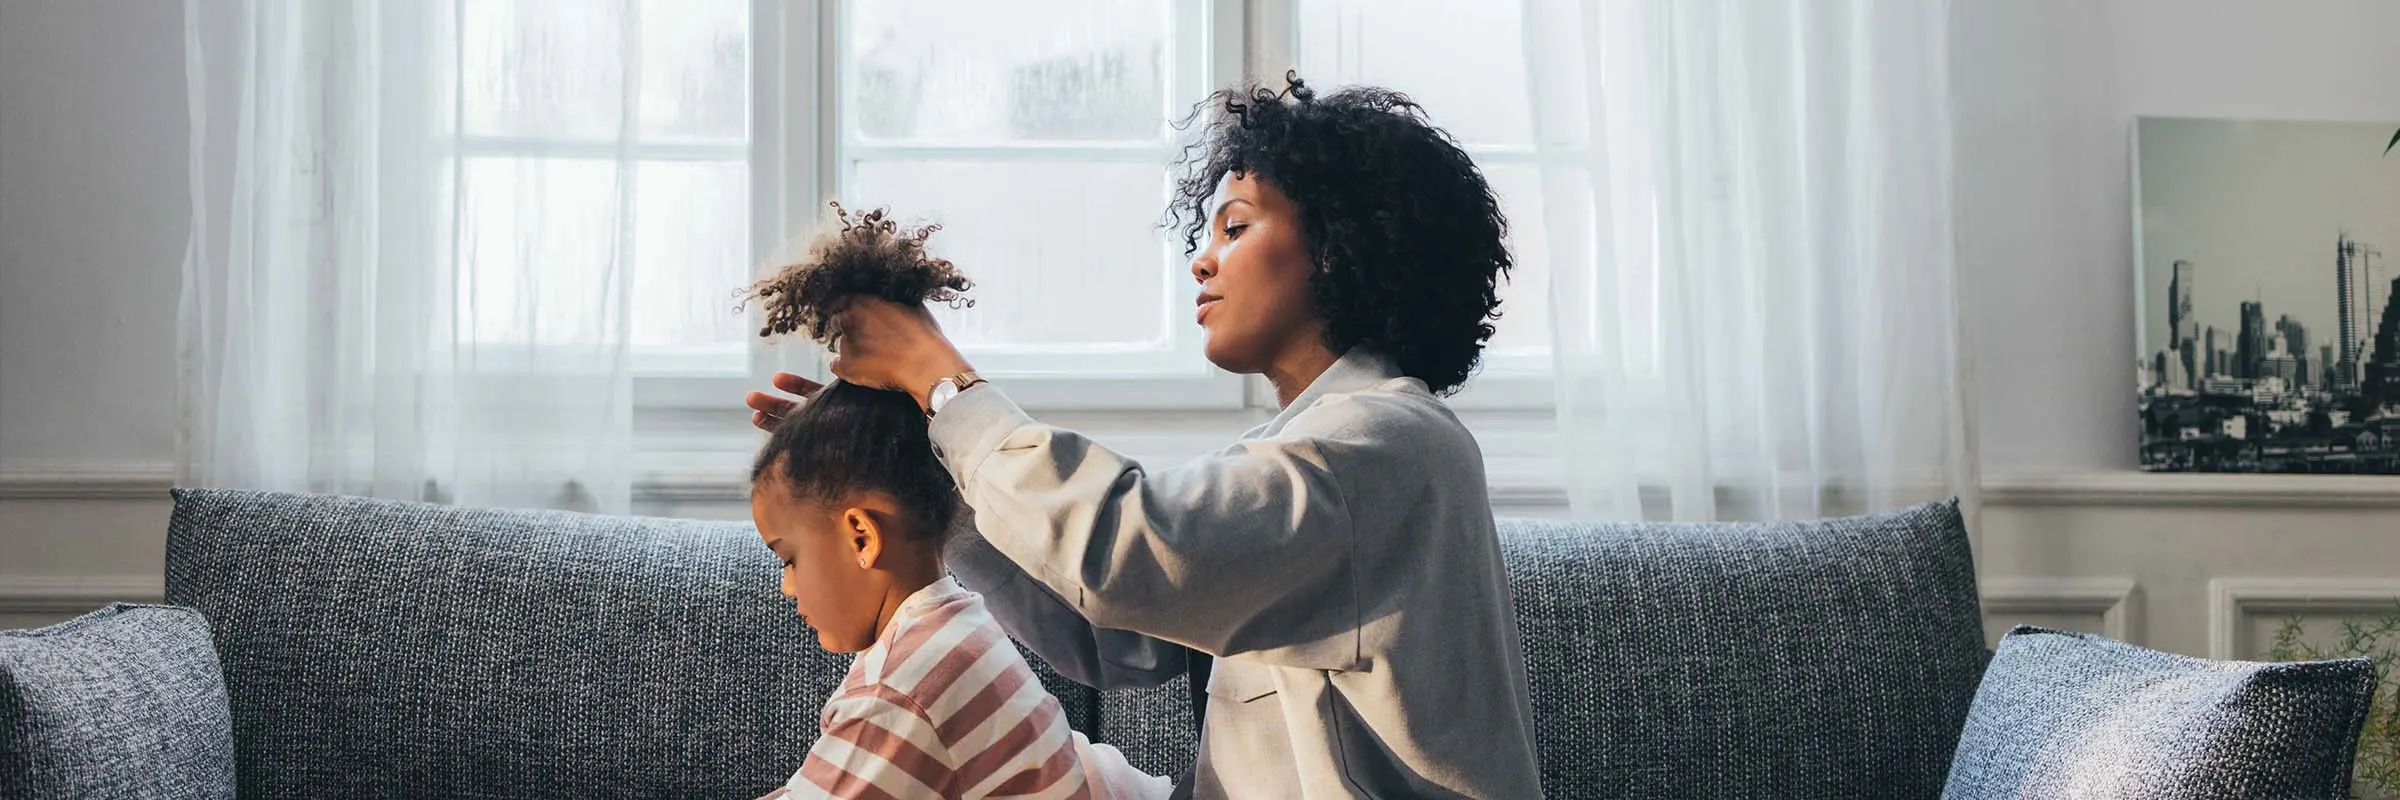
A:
(1340, 561)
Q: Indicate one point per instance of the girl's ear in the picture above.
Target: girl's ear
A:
(865, 535)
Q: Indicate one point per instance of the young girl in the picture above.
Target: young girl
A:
(848, 494)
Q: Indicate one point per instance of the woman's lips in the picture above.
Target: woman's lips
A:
(1207, 301)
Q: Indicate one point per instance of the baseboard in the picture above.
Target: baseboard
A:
(724, 486)
(150, 480)
(2173, 490)
(50, 594)
(86, 480)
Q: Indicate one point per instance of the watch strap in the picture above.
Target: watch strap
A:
(935, 398)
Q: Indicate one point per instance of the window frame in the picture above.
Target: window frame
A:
(1073, 378)
(787, 169)
(797, 155)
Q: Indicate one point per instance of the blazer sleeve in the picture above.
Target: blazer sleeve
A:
(1098, 657)
(1247, 551)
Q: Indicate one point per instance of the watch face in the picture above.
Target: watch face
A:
(942, 392)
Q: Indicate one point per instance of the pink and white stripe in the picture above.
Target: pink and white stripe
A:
(943, 706)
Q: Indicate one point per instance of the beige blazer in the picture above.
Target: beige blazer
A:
(1340, 561)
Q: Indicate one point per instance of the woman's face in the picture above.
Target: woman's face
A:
(822, 573)
(1253, 275)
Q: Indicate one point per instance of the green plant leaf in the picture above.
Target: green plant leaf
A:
(2376, 770)
(2387, 149)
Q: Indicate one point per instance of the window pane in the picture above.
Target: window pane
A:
(691, 252)
(1062, 253)
(695, 68)
(976, 70)
(1475, 87)
(537, 251)
(542, 67)
(1524, 324)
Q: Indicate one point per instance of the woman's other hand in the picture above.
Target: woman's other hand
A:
(767, 409)
(888, 345)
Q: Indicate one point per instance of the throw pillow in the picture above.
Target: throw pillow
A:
(2066, 715)
(124, 702)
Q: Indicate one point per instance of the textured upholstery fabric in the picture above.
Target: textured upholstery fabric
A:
(2064, 714)
(386, 649)
(1153, 727)
(124, 702)
(394, 649)
(1823, 659)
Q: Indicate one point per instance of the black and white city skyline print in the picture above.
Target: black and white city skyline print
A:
(2268, 339)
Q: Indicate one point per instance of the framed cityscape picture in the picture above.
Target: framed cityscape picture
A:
(2268, 338)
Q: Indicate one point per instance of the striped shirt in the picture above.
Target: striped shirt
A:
(943, 706)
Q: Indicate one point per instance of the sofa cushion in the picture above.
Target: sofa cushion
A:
(1822, 659)
(2068, 714)
(124, 702)
(389, 649)
(1152, 726)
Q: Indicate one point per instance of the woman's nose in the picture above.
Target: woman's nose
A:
(1204, 266)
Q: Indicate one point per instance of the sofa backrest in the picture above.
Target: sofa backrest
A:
(399, 649)
(1822, 659)
(384, 649)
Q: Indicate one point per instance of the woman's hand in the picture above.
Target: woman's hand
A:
(767, 409)
(888, 345)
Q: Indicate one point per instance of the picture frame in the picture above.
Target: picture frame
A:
(2267, 340)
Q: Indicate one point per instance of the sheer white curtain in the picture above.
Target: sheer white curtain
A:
(371, 305)
(1749, 224)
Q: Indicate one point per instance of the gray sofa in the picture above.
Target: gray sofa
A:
(383, 649)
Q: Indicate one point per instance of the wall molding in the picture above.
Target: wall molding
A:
(2163, 490)
(2232, 600)
(61, 594)
(2116, 599)
(87, 480)
(722, 486)
(150, 480)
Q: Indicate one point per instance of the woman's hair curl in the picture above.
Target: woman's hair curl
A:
(1406, 237)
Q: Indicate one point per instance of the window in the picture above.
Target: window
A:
(1039, 141)
(556, 109)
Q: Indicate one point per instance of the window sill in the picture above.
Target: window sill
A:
(2132, 489)
(703, 458)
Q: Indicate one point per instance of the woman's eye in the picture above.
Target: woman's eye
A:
(1235, 231)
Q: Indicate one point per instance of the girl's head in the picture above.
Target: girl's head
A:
(1338, 221)
(847, 492)
(848, 495)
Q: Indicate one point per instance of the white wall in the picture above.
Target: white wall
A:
(93, 198)
(92, 220)
(2045, 94)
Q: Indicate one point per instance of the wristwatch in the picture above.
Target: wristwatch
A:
(947, 388)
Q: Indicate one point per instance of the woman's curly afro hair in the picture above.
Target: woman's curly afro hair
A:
(1408, 242)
